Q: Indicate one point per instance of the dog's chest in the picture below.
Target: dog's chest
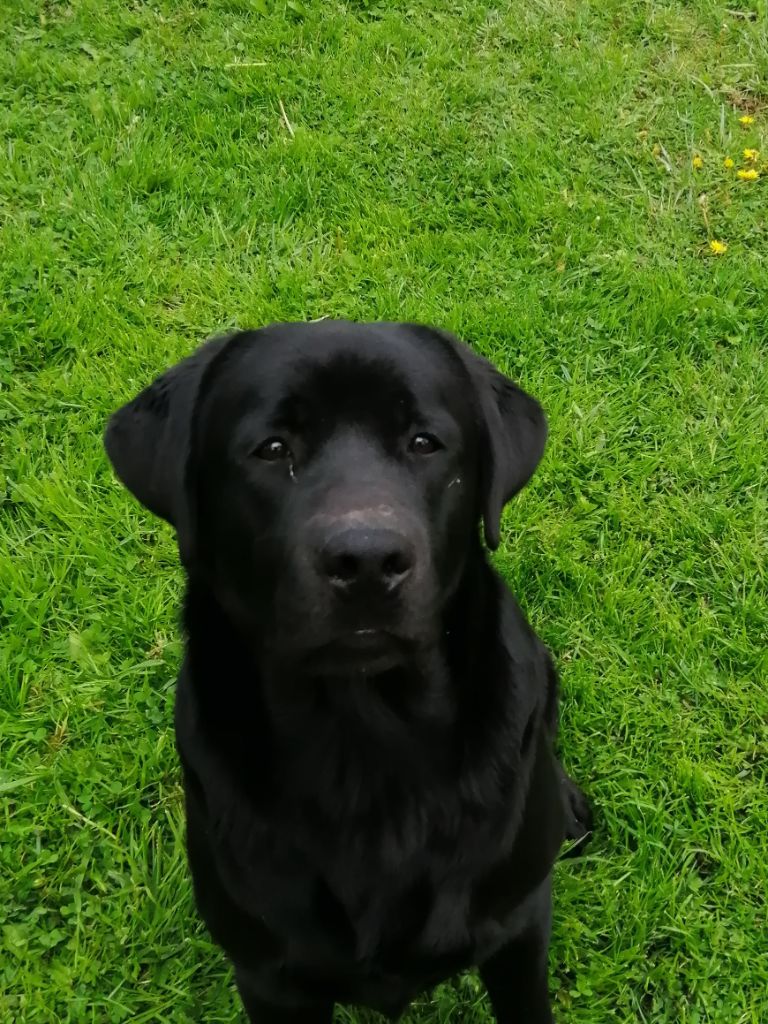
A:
(393, 918)
(349, 905)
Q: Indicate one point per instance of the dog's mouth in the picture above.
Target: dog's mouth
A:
(365, 650)
(366, 639)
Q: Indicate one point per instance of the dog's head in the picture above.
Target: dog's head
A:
(326, 480)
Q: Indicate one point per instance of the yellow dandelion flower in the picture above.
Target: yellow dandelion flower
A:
(697, 162)
(751, 155)
(748, 174)
(746, 119)
(718, 248)
(728, 163)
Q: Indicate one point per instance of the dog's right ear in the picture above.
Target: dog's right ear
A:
(148, 439)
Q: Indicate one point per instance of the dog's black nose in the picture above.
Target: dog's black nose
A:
(359, 556)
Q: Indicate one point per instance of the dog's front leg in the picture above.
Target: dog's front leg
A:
(516, 975)
(261, 1012)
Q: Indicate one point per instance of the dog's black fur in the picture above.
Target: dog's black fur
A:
(364, 717)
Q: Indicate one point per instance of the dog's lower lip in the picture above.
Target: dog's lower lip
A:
(366, 636)
(363, 650)
(365, 642)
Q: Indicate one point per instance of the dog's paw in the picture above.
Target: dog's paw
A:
(579, 818)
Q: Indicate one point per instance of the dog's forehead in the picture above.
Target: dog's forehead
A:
(341, 365)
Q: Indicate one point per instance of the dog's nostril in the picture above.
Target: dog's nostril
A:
(344, 568)
(394, 565)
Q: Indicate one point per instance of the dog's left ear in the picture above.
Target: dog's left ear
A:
(516, 430)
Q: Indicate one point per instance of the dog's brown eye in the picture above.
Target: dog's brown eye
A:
(423, 444)
(273, 449)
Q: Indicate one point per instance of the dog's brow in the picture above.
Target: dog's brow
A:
(350, 386)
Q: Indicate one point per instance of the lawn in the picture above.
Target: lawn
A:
(544, 177)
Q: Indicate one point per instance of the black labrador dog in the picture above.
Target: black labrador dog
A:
(365, 719)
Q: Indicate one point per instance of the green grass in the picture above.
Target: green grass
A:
(519, 172)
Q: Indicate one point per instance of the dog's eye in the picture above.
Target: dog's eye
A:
(423, 444)
(272, 450)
